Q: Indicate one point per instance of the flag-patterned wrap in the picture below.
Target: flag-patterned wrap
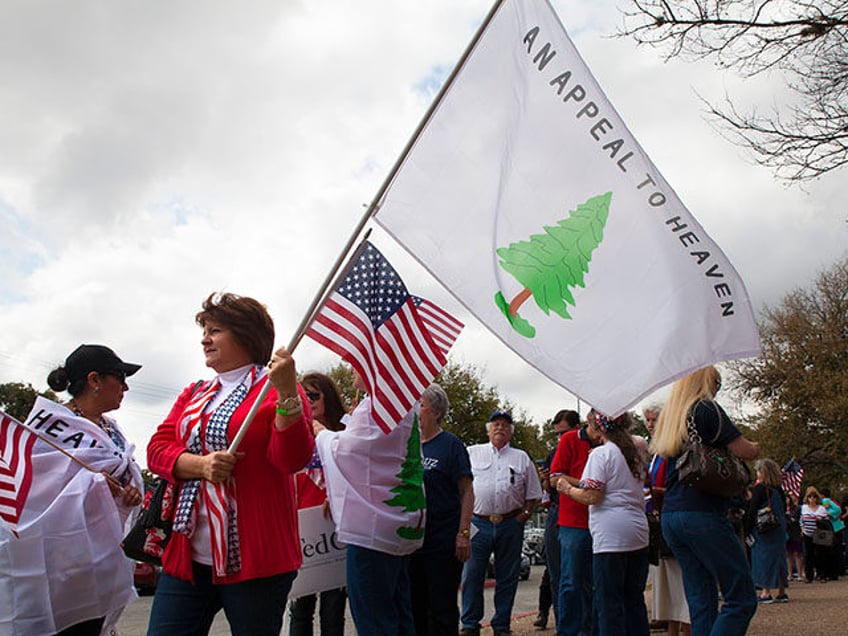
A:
(791, 476)
(396, 342)
(15, 468)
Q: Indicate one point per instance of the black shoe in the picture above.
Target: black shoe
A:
(541, 621)
(507, 632)
(469, 631)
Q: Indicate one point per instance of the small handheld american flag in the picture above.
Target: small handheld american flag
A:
(397, 342)
(790, 477)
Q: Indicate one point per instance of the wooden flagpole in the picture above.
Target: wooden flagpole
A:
(323, 292)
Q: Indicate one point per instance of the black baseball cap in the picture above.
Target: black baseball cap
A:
(87, 358)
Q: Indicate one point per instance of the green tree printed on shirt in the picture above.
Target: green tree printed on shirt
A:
(549, 264)
(409, 493)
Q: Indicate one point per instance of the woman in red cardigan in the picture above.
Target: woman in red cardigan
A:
(235, 542)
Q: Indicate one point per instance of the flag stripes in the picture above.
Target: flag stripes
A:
(443, 327)
(16, 443)
(396, 342)
(791, 476)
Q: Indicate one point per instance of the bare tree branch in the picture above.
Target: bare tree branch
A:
(806, 41)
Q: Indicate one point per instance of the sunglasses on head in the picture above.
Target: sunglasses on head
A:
(313, 396)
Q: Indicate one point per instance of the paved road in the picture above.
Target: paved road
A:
(134, 620)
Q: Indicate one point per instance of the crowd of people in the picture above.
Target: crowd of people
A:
(422, 518)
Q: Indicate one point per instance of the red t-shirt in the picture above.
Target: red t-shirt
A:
(570, 459)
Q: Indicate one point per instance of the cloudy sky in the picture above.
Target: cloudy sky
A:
(154, 152)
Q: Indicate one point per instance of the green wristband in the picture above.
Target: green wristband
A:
(282, 411)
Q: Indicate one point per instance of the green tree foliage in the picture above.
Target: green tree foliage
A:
(801, 380)
(472, 402)
(17, 398)
(342, 375)
(549, 264)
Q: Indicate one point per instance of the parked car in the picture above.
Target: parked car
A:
(534, 545)
(523, 573)
(146, 577)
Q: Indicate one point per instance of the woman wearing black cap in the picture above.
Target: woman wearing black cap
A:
(64, 572)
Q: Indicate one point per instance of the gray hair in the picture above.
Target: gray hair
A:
(437, 400)
(652, 407)
(489, 426)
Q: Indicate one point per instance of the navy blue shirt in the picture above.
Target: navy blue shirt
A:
(716, 429)
(445, 462)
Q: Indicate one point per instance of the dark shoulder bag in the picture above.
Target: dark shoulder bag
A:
(715, 470)
(147, 539)
(766, 517)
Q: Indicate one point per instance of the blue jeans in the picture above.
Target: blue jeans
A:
(575, 583)
(552, 557)
(504, 539)
(182, 608)
(331, 613)
(620, 579)
(378, 590)
(711, 558)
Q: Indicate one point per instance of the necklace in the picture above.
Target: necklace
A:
(102, 423)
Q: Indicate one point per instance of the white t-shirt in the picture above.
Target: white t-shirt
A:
(618, 523)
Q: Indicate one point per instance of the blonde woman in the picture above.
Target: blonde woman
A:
(694, 523)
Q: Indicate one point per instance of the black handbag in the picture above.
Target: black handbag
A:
(715, 470)
(151, 531)
(766, 518)
(823, 535)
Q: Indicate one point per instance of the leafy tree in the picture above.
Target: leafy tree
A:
(806, 41)
(342, 375)
(17, 398)
(801, 380)
(472, 402)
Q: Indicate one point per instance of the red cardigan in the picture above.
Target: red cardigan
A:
(265, 486)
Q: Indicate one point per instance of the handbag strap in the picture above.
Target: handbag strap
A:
(694, 435)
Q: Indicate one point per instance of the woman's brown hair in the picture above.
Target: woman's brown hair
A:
(247, 318)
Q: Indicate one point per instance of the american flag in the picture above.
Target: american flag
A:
(397, 342)
(790, 477)
(16, 443)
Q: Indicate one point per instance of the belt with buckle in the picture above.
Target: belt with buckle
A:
(498, 518)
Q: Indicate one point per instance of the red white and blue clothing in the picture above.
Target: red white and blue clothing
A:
(264, 491)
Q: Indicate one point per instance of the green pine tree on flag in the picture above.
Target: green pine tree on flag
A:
(549, 264)
(409, 493)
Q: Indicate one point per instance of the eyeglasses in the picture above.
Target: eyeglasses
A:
(313, 396)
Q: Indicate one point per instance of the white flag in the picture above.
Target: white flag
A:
(530, 200)
(64, 565)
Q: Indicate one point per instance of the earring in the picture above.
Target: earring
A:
(96, 390)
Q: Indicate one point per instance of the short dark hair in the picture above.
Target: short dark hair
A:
(571, 417)
(334, 409)
(247, 318)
